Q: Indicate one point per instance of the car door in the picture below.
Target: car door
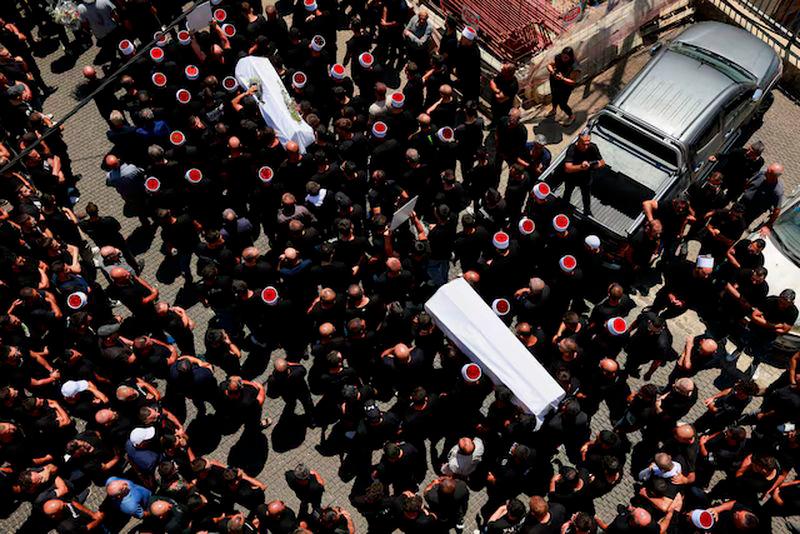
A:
(708, 143)
(734, 114)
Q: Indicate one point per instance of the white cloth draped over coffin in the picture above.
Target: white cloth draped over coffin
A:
(473, 326)
(277, 106)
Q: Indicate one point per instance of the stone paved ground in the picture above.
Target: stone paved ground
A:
(281, 449)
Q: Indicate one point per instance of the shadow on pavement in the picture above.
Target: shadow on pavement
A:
(289, 432)
(204, 434)
(250, 453)
(63, 64)
(141, 238)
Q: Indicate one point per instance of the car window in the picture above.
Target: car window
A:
(705, 142)
(733, 109)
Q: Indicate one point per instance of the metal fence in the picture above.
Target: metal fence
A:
(782, 15)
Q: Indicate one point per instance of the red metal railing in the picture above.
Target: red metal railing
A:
(511, 29)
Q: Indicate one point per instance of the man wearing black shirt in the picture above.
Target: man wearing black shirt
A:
(582, 158)
(448, 498)
(738, 166)
(104, 231)
(276, 517)
(543, 517)
(71, 516)
(632, 521)
(307, 485)
(288, 382)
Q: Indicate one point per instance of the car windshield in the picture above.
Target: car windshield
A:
(787, 232)
(723, 65)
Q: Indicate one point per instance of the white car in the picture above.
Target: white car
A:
(782, 260)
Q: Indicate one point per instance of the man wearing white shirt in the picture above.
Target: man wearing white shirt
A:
(463, 459)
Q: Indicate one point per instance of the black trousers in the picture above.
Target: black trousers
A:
(585, 184)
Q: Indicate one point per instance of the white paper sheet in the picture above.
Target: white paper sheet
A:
(199, 18)
(401, 215)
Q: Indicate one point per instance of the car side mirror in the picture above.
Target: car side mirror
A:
(655, 48)
(757, 94)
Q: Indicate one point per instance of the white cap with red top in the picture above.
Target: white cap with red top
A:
(469, 33)
(560, 223)
(265, 174)
(269, 295)
(379, 129)
(183, 96)
(541, 191)
(526, 226)
(77, 300)
(617, 326)
(157, 54)
(126, 47)
(366, 60)
(299, 79)
(501, 240)
(471, 372)
(568, 263)
(159, 79)
(152, 184)
(337, 71)
(177, 138)
(501, 306)
(193, 175)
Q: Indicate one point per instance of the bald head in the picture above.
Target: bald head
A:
(53, 507)
(402, 352)
(326, 329)
(775, 170)
(111, 161)
(472, 277)
(466, 446)
(327, 295)
(641, 517)
(394, 265)
(118, 274)
(684, 433)
(608, 365)
(281, 365)
(708, 347)
(117, 488)
(536, 285)
(160, 508)
(292, 147)
(275, 508)
(684, 386)
(234, 142)
(290, 254)
(104, 416)
(125, 392)
(108, 251)
(89, 73)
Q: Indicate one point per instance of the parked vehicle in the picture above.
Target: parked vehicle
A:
(782, 260)
(691, 100)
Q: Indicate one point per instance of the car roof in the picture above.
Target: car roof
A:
(735, 44)
(674, 93)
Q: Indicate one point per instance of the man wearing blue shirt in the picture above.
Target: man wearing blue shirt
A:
(131, 499)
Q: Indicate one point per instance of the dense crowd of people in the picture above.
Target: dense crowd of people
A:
(96, 368)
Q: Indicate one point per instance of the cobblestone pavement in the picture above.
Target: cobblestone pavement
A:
(283, 447)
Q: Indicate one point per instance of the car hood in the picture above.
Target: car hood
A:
(734, 44)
